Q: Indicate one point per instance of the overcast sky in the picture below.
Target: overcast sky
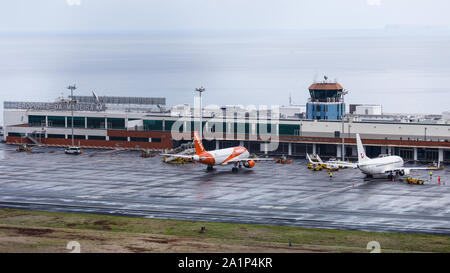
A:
(37, 67)
(135, 15)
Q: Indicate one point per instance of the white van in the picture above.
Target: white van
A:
(73, 150)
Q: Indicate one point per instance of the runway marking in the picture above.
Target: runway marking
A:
(137, 209)
(106, 160)
(336, 190)
(272, 207)
(89, 196)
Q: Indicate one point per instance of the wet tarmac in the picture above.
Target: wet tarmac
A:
(121, 182)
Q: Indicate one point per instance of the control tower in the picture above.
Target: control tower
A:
(326, 101)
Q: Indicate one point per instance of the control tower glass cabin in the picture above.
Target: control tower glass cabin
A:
(325, 102)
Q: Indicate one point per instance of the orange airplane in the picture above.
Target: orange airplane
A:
(239, 156)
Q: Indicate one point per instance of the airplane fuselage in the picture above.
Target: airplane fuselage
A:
(221, 156)
(380, 165)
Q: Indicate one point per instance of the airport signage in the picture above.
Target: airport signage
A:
(54, 106)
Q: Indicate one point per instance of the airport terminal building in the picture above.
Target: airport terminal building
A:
(145, 123)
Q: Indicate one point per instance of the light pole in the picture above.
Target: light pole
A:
(343, 93)
(200, 91)
(349, 126)
(71, 88)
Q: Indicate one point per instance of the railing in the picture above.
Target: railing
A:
(32, 138)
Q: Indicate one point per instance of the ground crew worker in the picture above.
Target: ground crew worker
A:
(409, 179)
(439, 179)
(331, 175)
(431, 175)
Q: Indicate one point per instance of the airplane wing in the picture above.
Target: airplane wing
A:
(318, 162)
(407, 169)
(234, 160)
(339, 163)
(319, 159)
(178, 155)
(343, 164)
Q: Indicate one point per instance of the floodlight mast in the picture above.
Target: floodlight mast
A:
(71, 88)
(343, 93)
(200, 91)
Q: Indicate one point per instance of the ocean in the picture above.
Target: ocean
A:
(404, 73)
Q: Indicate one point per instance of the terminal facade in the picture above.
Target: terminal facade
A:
(119, 125)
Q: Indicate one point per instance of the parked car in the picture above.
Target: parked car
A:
(73, 150)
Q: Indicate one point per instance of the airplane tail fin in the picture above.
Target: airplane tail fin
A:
(198, 144)
(309, 158)
(361, 152)
(319, 159)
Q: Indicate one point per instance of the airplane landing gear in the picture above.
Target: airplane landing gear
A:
(209, 168)
(392, 175)
(235, 168)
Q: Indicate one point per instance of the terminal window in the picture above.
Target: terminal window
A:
(138, 139)
(16, 134)
(115, 138)
(56, 121)
(153, 125)
(55, 136)
(116, 123)
(78, 122)
(36, 120)
(95, 122)
(97, 137)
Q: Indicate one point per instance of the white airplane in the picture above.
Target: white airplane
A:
(390, 165)
(239, 156)
(330, 164)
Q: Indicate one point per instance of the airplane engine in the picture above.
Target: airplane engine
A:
(249, 164)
